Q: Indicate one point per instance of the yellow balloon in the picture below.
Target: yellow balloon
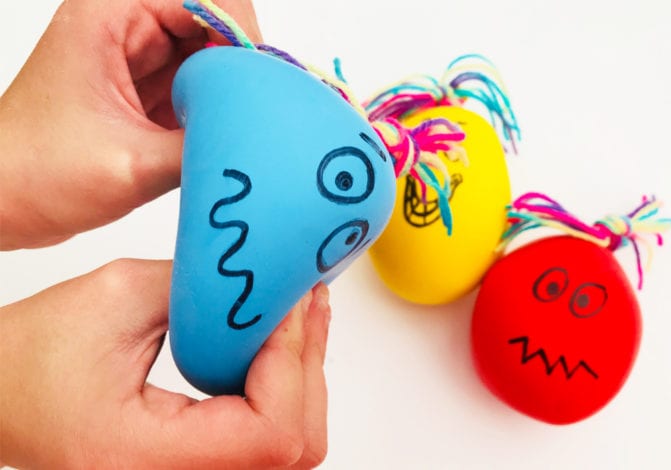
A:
(415, 257)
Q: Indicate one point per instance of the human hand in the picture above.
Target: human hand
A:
(87, 131)
(73, 394)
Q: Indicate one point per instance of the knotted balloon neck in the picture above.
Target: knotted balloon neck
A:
(535, 210)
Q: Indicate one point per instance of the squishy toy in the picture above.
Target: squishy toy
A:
(416, 257)
(284, 183)
(556, 326)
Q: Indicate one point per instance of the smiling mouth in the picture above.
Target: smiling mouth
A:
(422, 213)
(550, 367)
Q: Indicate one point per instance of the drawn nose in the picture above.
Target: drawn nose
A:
(341, 243)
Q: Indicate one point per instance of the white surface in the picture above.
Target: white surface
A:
(589, 81)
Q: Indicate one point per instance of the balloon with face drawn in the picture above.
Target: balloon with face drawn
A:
(556, 329)
(415, 257)
(283, 185)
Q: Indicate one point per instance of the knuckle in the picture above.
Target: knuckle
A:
(130, 170)
(287, 449)
(119, 276)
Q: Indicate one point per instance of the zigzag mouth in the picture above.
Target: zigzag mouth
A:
(550, 367)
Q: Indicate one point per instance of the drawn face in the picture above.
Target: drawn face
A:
(346, 177)
(414, 256)
(284, 184)
(556, 329)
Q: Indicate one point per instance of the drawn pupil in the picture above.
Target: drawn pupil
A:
(351, 239)
(553, 288)
(551, 284)
(588, 300)
(344, 181)
(582, 300)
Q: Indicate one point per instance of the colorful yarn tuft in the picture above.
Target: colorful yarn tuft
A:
(469, 77)
(415, 151)
(208, 14)
(534, 210)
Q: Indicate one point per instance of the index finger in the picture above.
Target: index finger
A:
(175, 19)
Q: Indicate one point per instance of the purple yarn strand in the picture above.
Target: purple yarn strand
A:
(641, 206)
(281, 54)
(213, 21)
(464, 77)
(639, 266)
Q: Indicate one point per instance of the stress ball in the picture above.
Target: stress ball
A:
(556, 329)
(415, 257)
(283, 184)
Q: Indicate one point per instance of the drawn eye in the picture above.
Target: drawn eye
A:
(341, 243)
(588, 300)
(551, 284)
(346, 176)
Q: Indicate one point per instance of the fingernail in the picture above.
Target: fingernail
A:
(305, 302)
(321, 299)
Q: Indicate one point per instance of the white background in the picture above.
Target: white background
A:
(589, 81)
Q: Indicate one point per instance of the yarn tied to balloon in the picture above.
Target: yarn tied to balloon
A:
(415, 151)
(534, 210)
(410, 95)
(208, 14)
(469, 77)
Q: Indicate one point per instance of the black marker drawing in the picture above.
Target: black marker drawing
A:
(366, 138)
(355, 232)
(346, 176)
(419, 213)
(550, 367)
(345, 187)
(551, 284)
(588, 300)
(244, 230)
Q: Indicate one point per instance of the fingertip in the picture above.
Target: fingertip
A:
(290, 333)
(318, 322)
(306, 301)
(321, 293)
(321, 300)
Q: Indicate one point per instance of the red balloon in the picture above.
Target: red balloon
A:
(556, 329)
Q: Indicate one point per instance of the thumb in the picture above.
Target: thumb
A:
(155, 161)
(132, 311)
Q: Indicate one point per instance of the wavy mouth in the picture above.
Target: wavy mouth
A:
(550, 367)
(422, 213)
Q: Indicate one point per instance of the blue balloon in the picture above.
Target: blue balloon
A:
(283, 184)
